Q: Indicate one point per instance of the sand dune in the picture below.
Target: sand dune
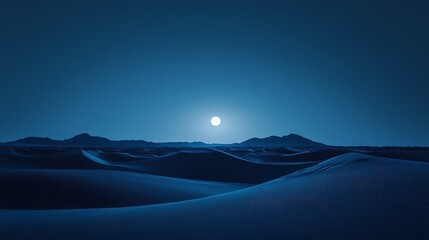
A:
(273, 157)
(347, 196)
(215, 166)
(61, 189)
(50, 159)
(201, 164)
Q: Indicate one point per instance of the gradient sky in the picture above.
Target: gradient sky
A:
(339, 72)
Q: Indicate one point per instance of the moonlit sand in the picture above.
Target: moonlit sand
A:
(225, 192)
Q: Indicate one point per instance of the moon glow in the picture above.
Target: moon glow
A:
(215, 121)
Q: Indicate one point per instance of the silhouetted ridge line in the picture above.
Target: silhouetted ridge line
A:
(81, 140)
(290, 140)
(87, 140)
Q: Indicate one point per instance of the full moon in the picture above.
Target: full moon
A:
(215, 121)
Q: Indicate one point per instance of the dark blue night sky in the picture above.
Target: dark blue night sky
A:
(339, 72)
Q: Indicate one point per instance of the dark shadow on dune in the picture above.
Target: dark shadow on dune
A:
(64, 189)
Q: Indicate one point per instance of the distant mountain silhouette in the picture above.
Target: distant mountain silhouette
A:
(285, 141)
(81, 140)
(86, 140)
(36, 141)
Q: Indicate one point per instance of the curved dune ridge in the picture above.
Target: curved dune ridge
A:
(206, 164)
(61, 189)
(214, 166)
(330, 163)
(201, 164)
(273, 157)
(55, 159)
(350, 195)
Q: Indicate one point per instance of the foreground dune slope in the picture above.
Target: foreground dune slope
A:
(68, 189)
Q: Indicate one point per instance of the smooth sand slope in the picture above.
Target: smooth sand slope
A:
(65, 189)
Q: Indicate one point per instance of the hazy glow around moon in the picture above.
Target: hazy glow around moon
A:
(215, 121)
